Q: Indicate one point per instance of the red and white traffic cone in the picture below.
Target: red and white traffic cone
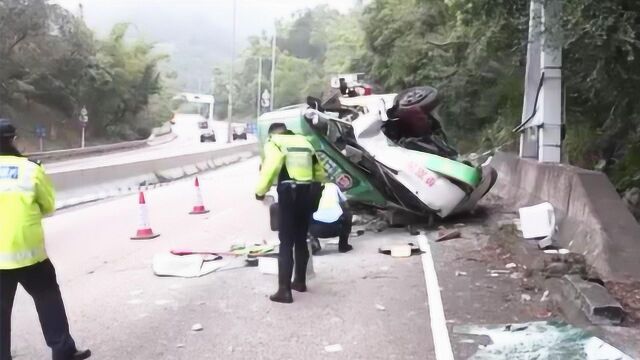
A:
(198, 208)
(144, 229)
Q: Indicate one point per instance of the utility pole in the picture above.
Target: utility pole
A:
(273, 68)
(233, 59)
(542, 119)
(258, 104)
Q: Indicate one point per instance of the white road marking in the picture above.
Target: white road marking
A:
(439, 331)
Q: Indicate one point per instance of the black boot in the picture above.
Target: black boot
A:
(283, 295)
(81, 354)
(299, 283)
(315, 245)
(299, 286)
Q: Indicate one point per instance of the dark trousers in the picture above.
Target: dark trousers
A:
(297, 202)
(40, 282)
(340, 228)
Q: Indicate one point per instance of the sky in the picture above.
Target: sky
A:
(253, 16)
(197, 34)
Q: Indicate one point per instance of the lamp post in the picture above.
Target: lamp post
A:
(273, 67)
(233, 59)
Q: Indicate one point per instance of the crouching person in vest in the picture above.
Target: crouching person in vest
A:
(26, 194)
(292, 159)
(332, 219)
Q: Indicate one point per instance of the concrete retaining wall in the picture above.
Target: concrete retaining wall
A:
(593, 219)
(85, 185)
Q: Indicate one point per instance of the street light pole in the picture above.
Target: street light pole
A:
(273, 68)
(233, 59)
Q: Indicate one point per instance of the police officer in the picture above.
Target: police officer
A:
(333, 219)
(292, 159)
(26, 194)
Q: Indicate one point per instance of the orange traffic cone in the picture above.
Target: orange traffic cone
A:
(144, 230)
(198, 208)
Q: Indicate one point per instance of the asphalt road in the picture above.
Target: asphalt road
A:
(372, 305)
(363, 304)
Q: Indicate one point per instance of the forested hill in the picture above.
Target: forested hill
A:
(51, 65)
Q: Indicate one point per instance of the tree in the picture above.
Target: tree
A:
(51, 63)
(474, 52)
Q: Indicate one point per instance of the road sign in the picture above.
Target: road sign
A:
(84, 116)
(265, 100)
(41, 131)
(84, 119)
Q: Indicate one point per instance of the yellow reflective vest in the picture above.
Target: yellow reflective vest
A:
(293, 152)
(26, 194)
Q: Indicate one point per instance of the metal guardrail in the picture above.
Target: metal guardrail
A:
(156, 133)
(91, 150)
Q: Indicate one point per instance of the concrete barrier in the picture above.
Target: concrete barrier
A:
(85, 185)
(593, 219)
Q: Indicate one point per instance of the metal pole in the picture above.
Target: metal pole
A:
(550, 141)
(233, 59)
(258, 104)
(529, 135)
(82, 143)
(273, 69)
(41, 144)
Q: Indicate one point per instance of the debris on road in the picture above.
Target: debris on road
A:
(545, 296)
(180, 346)
(539, 340)
(556, 266)
(538, 222)
(268, 265)
(511, 266)
(444, 235)
(380, 307)
(255, 250)
(188, 266)
(333, 348)
(595, 301)
(461, 273)
(499, 271)
(557, 251)
(197, 327)
(525, 298)
(402, 250)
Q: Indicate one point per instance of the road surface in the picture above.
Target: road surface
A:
(361, 305)
(121, 310)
